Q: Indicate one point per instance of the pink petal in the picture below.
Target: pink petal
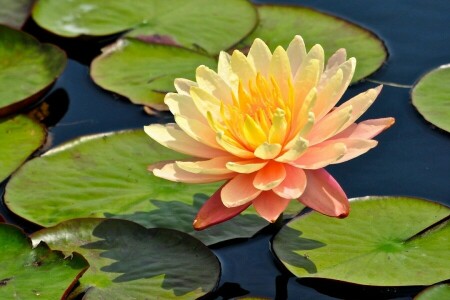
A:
(329, 125)
(355, 147)
(213, 212)
(320, 156)
(170, 171)
(293, 185)
(324, 194)
(270, 176)
(239, 190)
(269, 205)
(215, 165)
(366, 129)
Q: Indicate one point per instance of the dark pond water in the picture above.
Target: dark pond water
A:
(412, 157)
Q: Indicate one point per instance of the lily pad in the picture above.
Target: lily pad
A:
(385, 241)
(14, 13)
(196, 24)
(144, 72)
(279, 24)
(129, 261)
(431, 97)
(20, 137)
(436, 292)
(105, 175)
(35, 273)
(28, 68)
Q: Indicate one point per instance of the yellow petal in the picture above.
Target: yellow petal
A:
(296, 52)
(205, 102)
(246, 166)
(242, 68)
(172, 137)
(319, 157)
(280, 69)
(253, 133)
(259, 56)
(277, 132)
(226, 73)
(297, 148)
(182, 104)
(327, 94)
(212, 166)
(211, 82)
(198, 131)
(233, 147)
(172, 172)
(305, 80)
(268, 151)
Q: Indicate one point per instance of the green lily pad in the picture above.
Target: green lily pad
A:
(279, 24)
(195, 24)
(385, 241)
(106, 176)
(129, 261)
(35, 273)
(20, 137)
(436, 292)
(431, 97)
(28, 68)
(144, 72)
(14, 13)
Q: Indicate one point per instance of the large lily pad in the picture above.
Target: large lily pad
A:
(436, 292)
(129, 261)
(35, 273)
(431, 97)
(208, 25)
(385, 241)
(20, 137)
(279, 24)
(15, 12)
(105, 175)
(27, 69)
(143, 72)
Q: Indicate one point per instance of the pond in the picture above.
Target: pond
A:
(412, 158)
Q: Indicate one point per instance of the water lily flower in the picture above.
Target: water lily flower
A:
(267, 123)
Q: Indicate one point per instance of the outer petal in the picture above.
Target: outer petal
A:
(172, 137)
(329, 125)
(224, 70)
(269, 205)
(183, 85)
(324, 194)
(182, 104)
(213, 212)
(293, 185)
(211, 82)
(259, 56)
(239, 190)
(205, 102)
(355, 147)
(198, 131)
(336, 59)
(270, 176)
(366, 129)
(320, 156)
(296, 52)
(212, 166)
(170, 171)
